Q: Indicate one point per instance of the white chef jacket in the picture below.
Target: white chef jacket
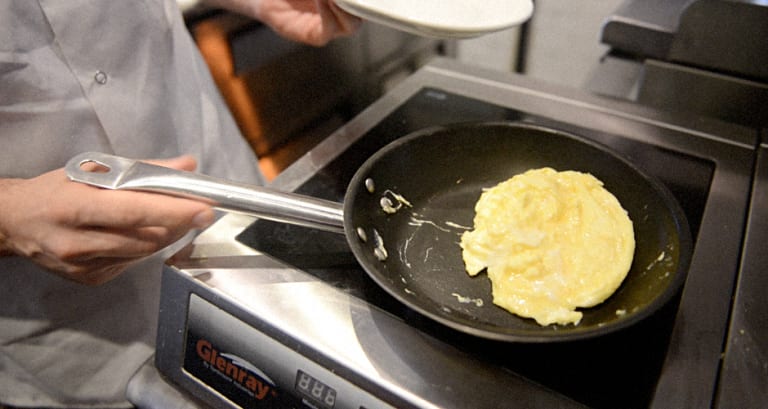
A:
(117, 76)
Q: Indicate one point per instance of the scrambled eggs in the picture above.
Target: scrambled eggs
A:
(551, 242)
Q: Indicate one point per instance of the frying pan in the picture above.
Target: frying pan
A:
(430, 181)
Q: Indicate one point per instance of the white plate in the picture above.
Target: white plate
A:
(442, 18)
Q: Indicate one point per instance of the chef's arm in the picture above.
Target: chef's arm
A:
(87, 234)
(314, 22)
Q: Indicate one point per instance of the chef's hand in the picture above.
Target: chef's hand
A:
(314, 22)
(87, 234)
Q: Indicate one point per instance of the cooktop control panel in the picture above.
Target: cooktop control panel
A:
(251, 369)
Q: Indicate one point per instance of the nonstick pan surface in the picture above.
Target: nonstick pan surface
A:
(442, 171)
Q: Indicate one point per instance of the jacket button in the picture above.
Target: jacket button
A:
(100, 77)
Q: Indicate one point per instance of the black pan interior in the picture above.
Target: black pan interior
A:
(441, 171)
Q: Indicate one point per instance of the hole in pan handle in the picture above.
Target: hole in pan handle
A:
(114, 172)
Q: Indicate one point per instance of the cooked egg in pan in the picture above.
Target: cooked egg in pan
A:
(551, 242)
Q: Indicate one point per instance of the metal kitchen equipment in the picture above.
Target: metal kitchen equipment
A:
(745, 371)
(260, 313)
(698, 56)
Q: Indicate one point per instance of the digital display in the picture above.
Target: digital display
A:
(315, 390)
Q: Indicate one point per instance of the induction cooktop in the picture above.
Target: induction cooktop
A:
(301, 295)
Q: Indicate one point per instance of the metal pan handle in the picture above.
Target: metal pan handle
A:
(114, 172)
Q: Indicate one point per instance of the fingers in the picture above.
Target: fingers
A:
(88, 234)
(96, 254)
(80, 246)
(96, 257)
(184, 162)
(314, 22)
(127, 210)
(92, 272)
(347, 24)
(334, 22)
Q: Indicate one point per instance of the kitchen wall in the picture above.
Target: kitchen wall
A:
(564, 42)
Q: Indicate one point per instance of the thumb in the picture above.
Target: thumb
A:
(184, 162)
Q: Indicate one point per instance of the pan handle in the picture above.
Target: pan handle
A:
(114, 172)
